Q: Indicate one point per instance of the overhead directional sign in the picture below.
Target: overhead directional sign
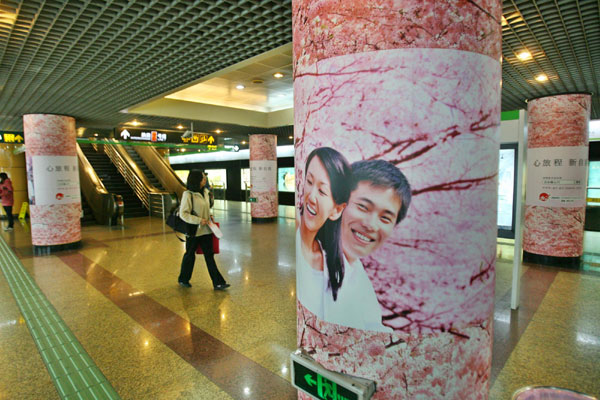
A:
(322, 384)
(12, 137)
(200, 138)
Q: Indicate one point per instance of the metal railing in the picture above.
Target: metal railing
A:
(126, 171)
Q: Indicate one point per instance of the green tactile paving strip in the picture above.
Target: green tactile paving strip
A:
(73, 371)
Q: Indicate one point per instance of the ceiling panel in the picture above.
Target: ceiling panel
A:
(90, 59)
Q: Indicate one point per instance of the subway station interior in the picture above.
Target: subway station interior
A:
(483, 274)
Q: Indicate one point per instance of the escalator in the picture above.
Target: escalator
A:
(88, 215)
(114, 181)
(143, 167)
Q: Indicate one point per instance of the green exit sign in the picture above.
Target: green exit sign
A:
(322, 384)
(252, 199)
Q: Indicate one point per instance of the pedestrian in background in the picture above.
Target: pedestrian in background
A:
(6, 196)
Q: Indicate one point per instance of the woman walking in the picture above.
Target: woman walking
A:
(195, 209)
(6, 193)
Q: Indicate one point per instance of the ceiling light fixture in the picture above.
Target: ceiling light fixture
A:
(179, 126)
(277, 75)
(504, 21)
(524, 55)
(135, 122)
(257, 81)
(290, 137)
(541, 78)
(243, 142)
(218, 131)
(240, 87)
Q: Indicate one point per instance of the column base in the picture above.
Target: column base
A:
(47, 250)
(564, 262)
(264, 220)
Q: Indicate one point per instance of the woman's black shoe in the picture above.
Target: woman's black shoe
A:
(222, 287)
(185, 284)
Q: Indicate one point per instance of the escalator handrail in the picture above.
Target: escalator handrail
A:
(132, 179)
(100, 200)
(161, 169)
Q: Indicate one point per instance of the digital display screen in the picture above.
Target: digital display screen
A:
(217, 178)
(245, 184)
(506, 185)
(286, 179)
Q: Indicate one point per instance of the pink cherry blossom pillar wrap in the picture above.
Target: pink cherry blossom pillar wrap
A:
(415, 83)
(263, 177)
(557, 163)
(53, 181)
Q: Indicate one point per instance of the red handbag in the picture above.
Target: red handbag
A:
(215, 244)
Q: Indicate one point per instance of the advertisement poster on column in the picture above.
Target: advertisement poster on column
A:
(55, 180)
(557, 176)
(263, 175)
(396, 200)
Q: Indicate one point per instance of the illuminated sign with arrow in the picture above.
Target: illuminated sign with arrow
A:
(200, 138)
(322, 384)
(12, 137)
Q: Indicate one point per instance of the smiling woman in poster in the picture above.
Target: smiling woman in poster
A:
(318, 246)
(379, 200)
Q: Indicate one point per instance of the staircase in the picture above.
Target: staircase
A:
(142, 165)
(114, 181)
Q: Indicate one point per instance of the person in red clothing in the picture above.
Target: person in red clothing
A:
(6, 195)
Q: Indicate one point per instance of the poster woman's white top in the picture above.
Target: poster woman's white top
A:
(310, 283)
(356, 305)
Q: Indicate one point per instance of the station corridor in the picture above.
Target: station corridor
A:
(152, 339)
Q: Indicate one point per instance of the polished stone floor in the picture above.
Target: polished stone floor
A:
(155, 340)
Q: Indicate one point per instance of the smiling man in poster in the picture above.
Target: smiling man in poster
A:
(379, 200)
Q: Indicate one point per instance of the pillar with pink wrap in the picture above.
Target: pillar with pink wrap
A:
(557, 164)
(53, 182)
(263, 177)
(396, 125)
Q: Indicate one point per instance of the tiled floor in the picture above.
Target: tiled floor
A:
(154, 340)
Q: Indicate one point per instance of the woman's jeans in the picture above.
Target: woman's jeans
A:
(187, 263)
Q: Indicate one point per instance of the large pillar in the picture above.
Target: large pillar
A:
(416, 87)
(263, 177)
(14, 166)
(53, 182)
(557, 164)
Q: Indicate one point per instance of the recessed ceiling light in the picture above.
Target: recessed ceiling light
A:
(277, 75)
(243, 142)
(257, 81)
(179, 126)
(541, 78)
(135, 122)
(524, 55)
(290, 137)
(218, 131)
(240, 87)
